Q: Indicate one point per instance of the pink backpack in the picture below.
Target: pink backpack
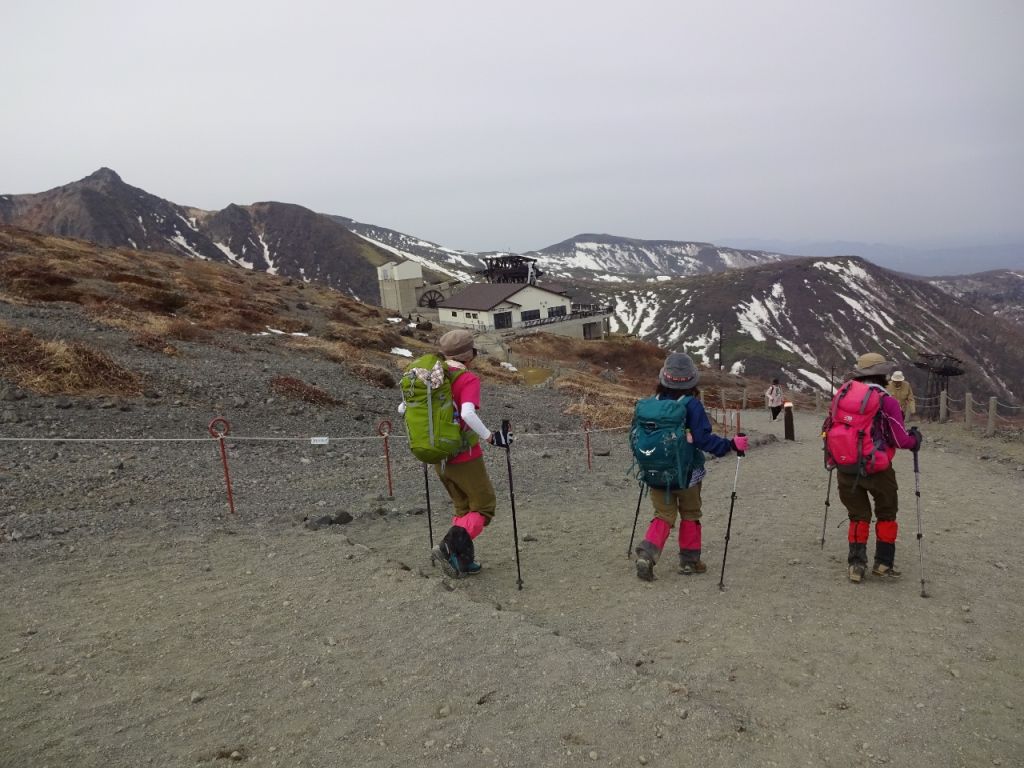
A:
(854, 441)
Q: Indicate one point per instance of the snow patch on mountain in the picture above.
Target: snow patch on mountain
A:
(233, 257)
(704, 346)
(184, 245)
(271, 267)
(759, 319)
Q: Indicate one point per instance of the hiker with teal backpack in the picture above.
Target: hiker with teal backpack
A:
(669, 436)
(445, 430)
(862, 431)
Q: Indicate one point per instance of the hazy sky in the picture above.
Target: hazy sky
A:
(484, 125)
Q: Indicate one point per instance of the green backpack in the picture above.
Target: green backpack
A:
(663, 452)
(435, 432)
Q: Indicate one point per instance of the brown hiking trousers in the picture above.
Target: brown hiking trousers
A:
(684, 501)
(880, 487)
(469, 487)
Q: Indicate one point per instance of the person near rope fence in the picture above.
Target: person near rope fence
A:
(774, 399)
(900, 389)
(677, 418)
(862, 432)
(464, 475)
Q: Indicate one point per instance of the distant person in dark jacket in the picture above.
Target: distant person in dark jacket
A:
(678, 377)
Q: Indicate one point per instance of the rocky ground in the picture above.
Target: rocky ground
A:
(143, 624)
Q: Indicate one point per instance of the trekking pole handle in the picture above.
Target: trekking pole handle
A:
(741, 434)
(506, 432)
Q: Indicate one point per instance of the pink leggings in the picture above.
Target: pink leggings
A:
(659, 530)
(472, 522)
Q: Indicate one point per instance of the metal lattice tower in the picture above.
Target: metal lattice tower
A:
(510, 268)
(940, 367)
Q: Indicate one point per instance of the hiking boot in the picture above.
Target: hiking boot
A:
(690, 568)
(448, 561)
(888, 571)
(644, 569)
(856, 572)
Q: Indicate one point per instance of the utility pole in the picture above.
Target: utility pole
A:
(721, 362)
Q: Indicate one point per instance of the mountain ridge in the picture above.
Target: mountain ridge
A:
(672, 292)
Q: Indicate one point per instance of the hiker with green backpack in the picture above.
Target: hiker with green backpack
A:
(440, 398)
(669, 435)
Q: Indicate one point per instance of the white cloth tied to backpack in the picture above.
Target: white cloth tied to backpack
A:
(432, 377)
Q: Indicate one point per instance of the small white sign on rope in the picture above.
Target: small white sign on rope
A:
(319, 440)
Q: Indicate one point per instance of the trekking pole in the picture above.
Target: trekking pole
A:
(632, 536)
(920, 534)
(728, 527)
(828, 494)
(430, 522)
(506, 438)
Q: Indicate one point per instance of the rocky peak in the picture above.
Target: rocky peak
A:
(104, 177)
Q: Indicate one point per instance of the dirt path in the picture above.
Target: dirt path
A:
(287, 647)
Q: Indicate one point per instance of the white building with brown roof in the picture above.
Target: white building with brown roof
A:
(507, 306)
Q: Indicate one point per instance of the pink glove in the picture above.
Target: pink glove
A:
(740, 444)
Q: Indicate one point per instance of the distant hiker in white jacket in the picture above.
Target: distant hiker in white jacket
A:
(773, 399)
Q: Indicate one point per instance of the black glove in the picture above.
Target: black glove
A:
(918, 438)
(500, 440)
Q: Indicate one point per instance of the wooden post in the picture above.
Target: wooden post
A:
(943, 407)
(787, 410)
(990, 428)
(744, 406)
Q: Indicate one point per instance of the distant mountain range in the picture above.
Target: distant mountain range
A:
(272, 237)
(803, 319)
(947, 260)
(776, 313)
(1001, 291)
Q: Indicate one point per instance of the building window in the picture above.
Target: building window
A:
(455, 314)
(530, 314)
(558, 311)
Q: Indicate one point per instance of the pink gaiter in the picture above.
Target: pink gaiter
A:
(689, 535)
(473, 522)
(657, 533)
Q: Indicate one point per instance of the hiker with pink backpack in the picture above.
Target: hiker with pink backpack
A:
(862, 432)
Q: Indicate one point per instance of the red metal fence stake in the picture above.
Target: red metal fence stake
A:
(384, 429)
(218, 428)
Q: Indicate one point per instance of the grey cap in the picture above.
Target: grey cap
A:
(678, 372)
(456, 344)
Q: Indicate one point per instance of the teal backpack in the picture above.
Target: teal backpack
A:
(435, 432)
(663, 449)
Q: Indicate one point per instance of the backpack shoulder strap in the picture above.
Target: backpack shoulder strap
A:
(684, 401)
(840, 394)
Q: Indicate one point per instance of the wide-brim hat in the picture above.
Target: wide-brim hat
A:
(898, 376)
(872, 364)
(678, 372)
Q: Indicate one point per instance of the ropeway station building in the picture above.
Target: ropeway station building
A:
(511, 299)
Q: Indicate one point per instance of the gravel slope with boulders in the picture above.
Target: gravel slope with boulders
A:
(143, 624)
